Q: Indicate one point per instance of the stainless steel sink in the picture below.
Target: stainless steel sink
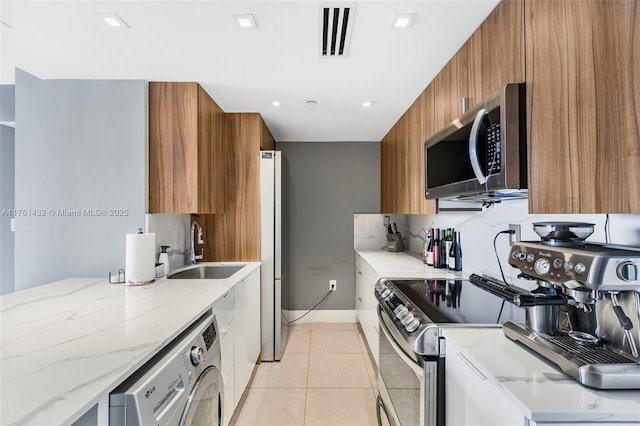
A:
(208, 272)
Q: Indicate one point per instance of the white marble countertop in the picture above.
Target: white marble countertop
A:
(403, 265)
(64, 345)
(542, 392)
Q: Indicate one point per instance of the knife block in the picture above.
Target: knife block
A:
(394, 242)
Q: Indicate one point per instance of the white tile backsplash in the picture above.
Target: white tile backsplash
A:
(369, 232)
(478, 230)
(171, 230)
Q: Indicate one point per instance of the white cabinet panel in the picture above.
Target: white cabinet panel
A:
(247, 331)
(471, 399)
(223, 309)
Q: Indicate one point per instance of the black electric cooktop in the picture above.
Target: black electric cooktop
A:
(453, 301)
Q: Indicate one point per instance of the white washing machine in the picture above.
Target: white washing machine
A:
(181, 385)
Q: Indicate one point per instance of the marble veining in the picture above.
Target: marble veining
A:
(369, 232)
(69, 343)
(478, 230)
(541, 392)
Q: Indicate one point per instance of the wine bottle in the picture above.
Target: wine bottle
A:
(456, 252)
(430, 248)
(451, 259)
(448, 240)
(437, 252)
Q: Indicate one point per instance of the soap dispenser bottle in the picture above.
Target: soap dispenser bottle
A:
(164, 259)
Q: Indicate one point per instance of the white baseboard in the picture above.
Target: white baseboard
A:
(322, 316)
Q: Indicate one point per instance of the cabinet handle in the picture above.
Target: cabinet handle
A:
(360, 298)
(473, 368)
(228, 293)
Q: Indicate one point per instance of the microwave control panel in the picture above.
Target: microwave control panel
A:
(494, 159)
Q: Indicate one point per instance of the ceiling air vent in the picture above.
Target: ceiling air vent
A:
(336, 23)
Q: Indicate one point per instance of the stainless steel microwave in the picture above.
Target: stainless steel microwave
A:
(483, 153)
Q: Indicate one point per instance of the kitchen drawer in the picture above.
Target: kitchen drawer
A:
(223, 309)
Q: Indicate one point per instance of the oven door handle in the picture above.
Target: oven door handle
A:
(417, 369)
(473, 147)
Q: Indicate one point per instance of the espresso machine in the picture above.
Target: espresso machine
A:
(584, 314)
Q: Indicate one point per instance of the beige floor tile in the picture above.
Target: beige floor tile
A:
(291, 372)
(338, 371)
(340, 407)
(273, 407)
(333, 326)
(298, 342)
(301, 327)
(335, 342)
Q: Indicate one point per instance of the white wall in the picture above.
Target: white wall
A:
(80, 144)
(7, 185)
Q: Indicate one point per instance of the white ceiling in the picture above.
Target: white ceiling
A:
(243, 70)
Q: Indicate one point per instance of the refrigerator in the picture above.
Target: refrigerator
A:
(273, 254)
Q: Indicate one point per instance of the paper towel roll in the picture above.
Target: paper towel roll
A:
(140, 262)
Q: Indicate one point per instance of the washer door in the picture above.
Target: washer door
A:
(204, 406)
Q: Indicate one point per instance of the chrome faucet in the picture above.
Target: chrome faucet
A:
(192, 253)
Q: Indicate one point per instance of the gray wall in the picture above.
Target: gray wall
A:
(327, 184)
(80, 144)
(7, 177)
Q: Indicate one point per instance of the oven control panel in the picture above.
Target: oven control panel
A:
(404, 314)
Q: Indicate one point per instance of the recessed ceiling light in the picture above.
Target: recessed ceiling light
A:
(402, 21)
(276, 103)
(112, 20)
(245, 22)
(367, 104)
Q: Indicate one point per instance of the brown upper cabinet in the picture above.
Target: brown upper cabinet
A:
(491, 58)
(583, 94)
(186, 150)
(583, 114)
(235, 234)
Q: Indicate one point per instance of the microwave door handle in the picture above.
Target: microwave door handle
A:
(473, 147)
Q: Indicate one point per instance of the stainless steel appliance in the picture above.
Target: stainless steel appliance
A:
(584, 315)
(482, 154)
(412, 351)
(274, 256)
(181, 385)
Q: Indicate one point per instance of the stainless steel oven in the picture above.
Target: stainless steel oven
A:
(411, 373)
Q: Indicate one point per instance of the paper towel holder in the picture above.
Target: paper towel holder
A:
(119, 278)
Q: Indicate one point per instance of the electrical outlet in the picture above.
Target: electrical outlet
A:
(514, 237)
(333, 286)
(387, 220)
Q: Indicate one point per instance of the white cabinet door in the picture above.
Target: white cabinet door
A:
(247, 330)
(223, 309)
(472, 399)
(360, 294)
(366, 278)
